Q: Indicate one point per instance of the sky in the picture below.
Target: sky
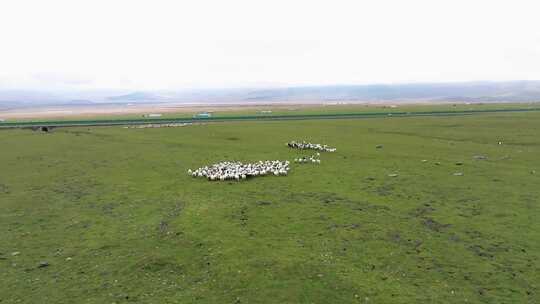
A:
(158, 44)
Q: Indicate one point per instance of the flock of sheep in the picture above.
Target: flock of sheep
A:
(238, 171)
(309, 159)
(307, 145)
(169, 125)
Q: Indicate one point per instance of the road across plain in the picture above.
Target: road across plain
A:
(143, 121)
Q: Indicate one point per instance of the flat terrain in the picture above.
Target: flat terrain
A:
(174, 111)
(109, 215)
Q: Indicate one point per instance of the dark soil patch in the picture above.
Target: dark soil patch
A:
(4, 189)
(423, 210)
(160, 264)
(480, 251)
(384, 190)
(433, 225)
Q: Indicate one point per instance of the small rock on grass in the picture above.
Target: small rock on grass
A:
(393, 175)
(16, 253)
(458, 174)
(43, 264)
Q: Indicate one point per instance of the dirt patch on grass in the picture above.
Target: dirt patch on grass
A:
(171, 214)
(423, 210)
(433, 225)
(4, 189)
(156, 264)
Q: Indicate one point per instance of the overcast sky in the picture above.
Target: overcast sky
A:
(157, 44)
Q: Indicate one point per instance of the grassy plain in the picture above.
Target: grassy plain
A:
(186, 112)
(108, 215)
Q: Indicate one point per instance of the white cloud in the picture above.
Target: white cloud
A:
(172, 44)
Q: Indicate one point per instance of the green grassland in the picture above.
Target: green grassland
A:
(112, 216)
(290, 110)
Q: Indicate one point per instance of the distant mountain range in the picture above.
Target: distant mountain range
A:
(510, 91)
(138, 96)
